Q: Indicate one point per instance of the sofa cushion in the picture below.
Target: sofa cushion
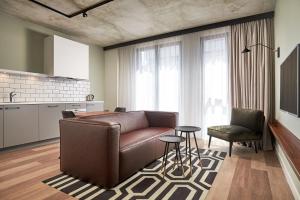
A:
(232, 133)
(129, 121)
(139, 148)
(137, 137)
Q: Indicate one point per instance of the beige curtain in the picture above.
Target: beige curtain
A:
(252, 74)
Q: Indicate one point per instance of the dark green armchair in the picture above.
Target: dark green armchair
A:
(245, 126)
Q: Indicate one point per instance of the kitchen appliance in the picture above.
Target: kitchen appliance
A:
(90, 97)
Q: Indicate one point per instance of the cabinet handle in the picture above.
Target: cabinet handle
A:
(55, 106)
(12, 108)
(1, 108)
(76, 105)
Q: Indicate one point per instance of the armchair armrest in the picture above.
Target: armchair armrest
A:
(162, 119)
(90, 151)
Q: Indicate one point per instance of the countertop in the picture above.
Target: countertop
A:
(38, 103)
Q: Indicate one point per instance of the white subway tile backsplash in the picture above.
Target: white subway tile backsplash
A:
(19, 99)
(41, 89)
(35, 86)
(44, 95)
(20, 81)
(25, 86)
(15, 86)
(25, 95)
(30, 90)
(30, 99)
(8, 90)
(34, 95)
(47, 91)
(3, 85)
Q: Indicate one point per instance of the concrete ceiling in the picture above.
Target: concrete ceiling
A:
(125, 20)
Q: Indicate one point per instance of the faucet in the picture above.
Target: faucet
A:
(11, 95)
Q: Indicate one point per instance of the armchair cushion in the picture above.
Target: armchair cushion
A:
(232, 133)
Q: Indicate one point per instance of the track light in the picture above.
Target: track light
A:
(84, 14)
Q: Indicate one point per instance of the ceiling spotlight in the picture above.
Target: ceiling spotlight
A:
(84, 14)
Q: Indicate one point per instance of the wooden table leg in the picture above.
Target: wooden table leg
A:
(166, 160)
(178, 150)
(175, 158)
(190, 156)
(162, 163)
(186, 143)
(197, 149)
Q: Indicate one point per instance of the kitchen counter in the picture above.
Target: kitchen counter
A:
(38, 103)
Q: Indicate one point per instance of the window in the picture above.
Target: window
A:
(157, 77)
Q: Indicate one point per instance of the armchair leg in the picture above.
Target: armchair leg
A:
(209, 140)
(255, 146)
(230, 148)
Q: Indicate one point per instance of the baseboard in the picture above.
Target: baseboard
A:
(284, 162)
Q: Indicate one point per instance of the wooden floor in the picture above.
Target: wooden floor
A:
(244, 176)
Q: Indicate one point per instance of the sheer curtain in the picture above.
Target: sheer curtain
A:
(157, 77)
(205, 80)
(127, 78)
(188, 74)
(145, 73)
(216, 106)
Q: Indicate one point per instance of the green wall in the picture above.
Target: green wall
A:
(97, 71)
(287, 36)
(22, 49)
(21, 46)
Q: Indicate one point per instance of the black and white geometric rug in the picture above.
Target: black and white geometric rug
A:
(149, 182)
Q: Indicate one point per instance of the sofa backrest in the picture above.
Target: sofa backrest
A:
(129, 121)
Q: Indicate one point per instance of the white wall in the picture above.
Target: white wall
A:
(287, 35)
(111, 59)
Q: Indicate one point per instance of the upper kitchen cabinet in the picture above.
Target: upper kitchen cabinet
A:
(66, 58)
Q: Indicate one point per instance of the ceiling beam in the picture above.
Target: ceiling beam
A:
(82, 11)
(194, 29)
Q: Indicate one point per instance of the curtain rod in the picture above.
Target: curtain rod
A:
(194, 29)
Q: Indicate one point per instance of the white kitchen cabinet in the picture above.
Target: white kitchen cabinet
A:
(76, 107)
(1, 127)
(49, 116)
(20, 124)
(66, 58)
(93, 106)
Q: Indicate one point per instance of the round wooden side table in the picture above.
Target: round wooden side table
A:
(176, 140)
(188, 130)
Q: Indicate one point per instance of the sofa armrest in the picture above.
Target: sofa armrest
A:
(162, 119)
(90, 151)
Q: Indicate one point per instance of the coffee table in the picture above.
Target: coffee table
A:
(171, 139)
(188, 130)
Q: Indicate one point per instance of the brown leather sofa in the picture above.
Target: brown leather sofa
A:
(107, 149)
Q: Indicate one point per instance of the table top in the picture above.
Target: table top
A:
(188, 128)
(171, 139)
